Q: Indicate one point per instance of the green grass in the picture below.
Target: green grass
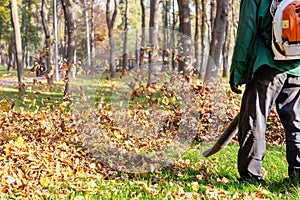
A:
(35, 97)
(13, 73)
(216, 177)
(5, 74)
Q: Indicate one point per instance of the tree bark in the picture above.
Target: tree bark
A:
(173, 36)
(212, 15)
(56, 41)
(68, 12)
(1, 46)
(47, 50)
(218, 37)
(125, 55)
(18, 43)
(185, 39)
(225, 52)
(152, 77)
(196, 37)
(110, 20)
(203, 22)
(88, 45)
(166, 36)
(93, 62)
(142, 51)
(11, 55)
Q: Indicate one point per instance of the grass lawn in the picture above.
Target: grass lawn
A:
(35, 97)
(192, 177)
(13, 72)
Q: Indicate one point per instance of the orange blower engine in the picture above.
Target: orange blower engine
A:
(291, 23)
(286, 29)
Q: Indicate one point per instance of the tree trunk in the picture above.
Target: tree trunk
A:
(203, 22)
(56, 41)
(68, 12)
(88, 45)
(217, 41)
(93, 62)
(212, 15)
(196, 38)
(173, 36)
(18, 43)
(225, 52)
(1, 46)
(142, 51)
(125, 55)
(166, 36)
(11, 60)
(153, 36)
(185, 39)
(137, 52)
(110, 20)
(47, 50)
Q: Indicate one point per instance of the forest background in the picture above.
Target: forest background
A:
(77, 32)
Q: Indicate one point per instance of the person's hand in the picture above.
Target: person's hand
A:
(233, 86)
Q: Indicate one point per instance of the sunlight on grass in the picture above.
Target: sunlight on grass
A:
(194, 176)
(13, 73)
(34, 98)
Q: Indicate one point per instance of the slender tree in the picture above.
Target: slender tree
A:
(18, 43)
(11, 55)
(203, 22)
(143, 19)
(1, 46)
(88, 45)
(47, 50)
(185, 39)
(93, 62)
(5, 20)
(217, 41)
(212, 15)
(196, 37)
(225, 52)
(125, 55)
(173, 36)
(56, 40)
(110, 20)
(166, 36)
(68, 13)
(153, 38)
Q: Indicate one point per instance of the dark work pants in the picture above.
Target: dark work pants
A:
(269, 86)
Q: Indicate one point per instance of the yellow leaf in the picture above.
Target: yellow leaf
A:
(130, 113)
(44, 181)
(19, 142)
(148, 49)
(117, 134)
(4, 106)
(195, 186)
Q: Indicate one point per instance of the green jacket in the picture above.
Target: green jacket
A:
(253, 43)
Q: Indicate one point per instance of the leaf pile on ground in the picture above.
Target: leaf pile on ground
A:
(39, 149)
